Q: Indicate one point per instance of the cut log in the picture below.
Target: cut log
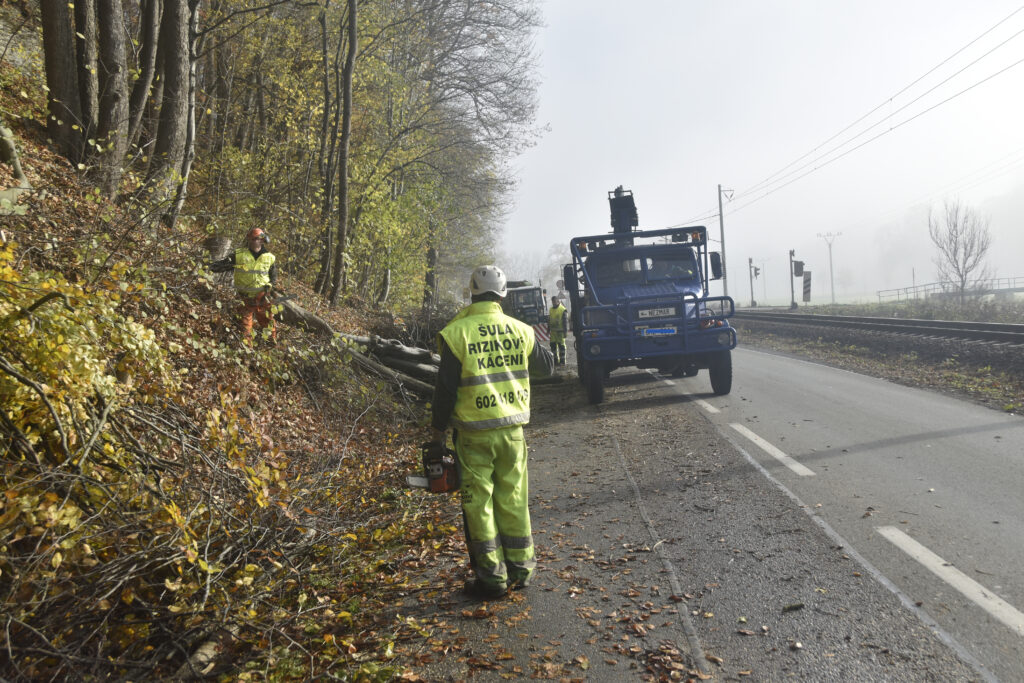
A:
(424, 371)
(393, 348)
(293, 314)
(419, 387)
(418, 377)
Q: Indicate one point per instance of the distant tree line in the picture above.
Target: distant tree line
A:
(369, 137)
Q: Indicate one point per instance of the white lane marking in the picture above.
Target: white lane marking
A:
(881, 578)
(971, 589)
(773, 451)
(699, 401)
(706, 406)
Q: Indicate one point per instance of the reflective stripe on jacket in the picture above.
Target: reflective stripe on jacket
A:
(494, 350)
(252, 274)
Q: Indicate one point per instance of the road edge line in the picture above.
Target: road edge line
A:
(925, 618)
(766, 446)
(986, 599)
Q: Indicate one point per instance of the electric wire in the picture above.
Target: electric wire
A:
(897, 111)
(872, 139)
(769, 180)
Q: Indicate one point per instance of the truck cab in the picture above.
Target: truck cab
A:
(640, 298)
(525, 302)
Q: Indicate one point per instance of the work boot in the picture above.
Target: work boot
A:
(479, 590)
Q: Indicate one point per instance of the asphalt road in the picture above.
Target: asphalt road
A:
(929, 489)
(671, 544)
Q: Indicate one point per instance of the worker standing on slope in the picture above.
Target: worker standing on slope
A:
(255, 274)
(556, 325)
(483, 392)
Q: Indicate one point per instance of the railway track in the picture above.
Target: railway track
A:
(995, 333)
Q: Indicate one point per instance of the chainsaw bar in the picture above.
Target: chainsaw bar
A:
(417, 481)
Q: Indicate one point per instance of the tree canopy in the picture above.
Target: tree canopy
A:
(369, 138)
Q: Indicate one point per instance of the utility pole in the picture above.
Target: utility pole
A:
(830, 238)
(792, 274)
(753, 272)
(721, 237)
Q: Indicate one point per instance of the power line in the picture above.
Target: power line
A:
(769, 180)
(892, 97)
(872, 139)
(897, 111)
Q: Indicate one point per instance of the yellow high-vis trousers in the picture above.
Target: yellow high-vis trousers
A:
(495, 503)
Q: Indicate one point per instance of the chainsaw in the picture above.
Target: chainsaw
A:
(439, 467)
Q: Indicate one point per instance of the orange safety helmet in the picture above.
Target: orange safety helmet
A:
(258, 232)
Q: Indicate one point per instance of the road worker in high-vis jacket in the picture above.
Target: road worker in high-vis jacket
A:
(556, 325)
(483, 393)
(255, 274)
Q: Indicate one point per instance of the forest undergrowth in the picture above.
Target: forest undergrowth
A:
(177, 504)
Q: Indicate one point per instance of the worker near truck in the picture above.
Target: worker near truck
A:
(483, 393)
(557, 318)
(255, 274)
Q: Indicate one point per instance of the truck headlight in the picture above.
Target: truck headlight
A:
(595, 350)
(724, 339)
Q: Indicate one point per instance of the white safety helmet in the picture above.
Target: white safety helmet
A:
(487, 279)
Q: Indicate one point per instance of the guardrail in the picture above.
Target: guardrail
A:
(974, 288)
(1007, 333)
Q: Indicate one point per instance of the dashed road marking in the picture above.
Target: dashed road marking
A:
(971, 589)
(706, 406)
(773, 451)
(701, 402)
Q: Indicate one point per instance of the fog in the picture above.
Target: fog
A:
(844, 118)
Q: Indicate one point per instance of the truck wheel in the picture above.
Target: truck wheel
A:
(721, 373)
(593, 380)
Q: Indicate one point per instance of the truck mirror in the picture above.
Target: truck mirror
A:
(716, 265)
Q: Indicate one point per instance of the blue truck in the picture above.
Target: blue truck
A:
(639, 298)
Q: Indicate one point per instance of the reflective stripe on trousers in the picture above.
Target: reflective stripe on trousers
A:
(495, 500)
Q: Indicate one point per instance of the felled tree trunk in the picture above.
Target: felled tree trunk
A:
(410, 367)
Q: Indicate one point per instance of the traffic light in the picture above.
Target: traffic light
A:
(798, 268)
(757, 271)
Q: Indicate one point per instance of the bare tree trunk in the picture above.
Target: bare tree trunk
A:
(385, 288)
(172, 130)
(112, 125)
(85, 50)
(149, 32)
(346, 135)
(430, 277)
(63, 103)
(328, 137)
(190, 129)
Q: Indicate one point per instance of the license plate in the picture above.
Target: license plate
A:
(659, 331)
(656, 312)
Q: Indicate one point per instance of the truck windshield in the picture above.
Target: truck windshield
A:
(671, 267)
(610, 271)
(526, 298)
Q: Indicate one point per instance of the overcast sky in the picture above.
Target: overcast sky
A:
(670, 98)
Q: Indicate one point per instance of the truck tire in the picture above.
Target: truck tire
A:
(581, 366)
(721, 373)
(593, 380)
